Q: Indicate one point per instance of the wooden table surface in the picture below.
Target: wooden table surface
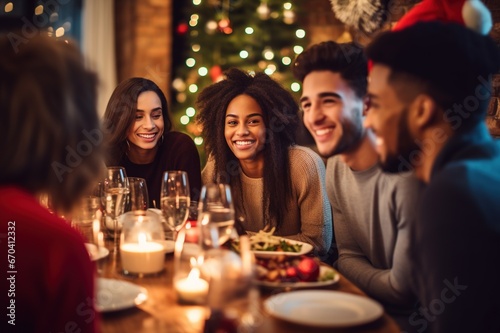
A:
(162, 313)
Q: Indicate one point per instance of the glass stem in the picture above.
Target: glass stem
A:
(116, 240)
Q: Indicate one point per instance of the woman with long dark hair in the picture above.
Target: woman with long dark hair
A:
(249, 124)
(139, 137)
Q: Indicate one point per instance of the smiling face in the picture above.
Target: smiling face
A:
(244, 129)
(388, 118)
(332, 112)
(148, 126)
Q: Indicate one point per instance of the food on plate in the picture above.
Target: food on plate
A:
(265, 241)
(292, 269)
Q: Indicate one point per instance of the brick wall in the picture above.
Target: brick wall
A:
(493, 117)
(144, 40)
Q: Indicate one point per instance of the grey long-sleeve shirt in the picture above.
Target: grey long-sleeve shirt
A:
(372, 213)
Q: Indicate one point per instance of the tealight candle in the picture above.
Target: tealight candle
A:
(143, 257)
(192, 289)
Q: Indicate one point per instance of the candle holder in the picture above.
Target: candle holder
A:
(190, 285)
(141, 245)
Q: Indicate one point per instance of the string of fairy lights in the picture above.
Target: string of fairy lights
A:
(271, 57)
(54, 18)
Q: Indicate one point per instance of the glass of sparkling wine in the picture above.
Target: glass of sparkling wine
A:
(138, 198)
(216, 214)
(115, 188)
(175, 199)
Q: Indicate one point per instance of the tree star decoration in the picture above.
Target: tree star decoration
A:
(365, 15)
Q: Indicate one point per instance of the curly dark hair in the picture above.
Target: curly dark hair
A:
(280, 113)
(120, 114)
(347, 59)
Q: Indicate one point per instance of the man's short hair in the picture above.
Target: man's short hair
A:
(452, 61)
(346, 59)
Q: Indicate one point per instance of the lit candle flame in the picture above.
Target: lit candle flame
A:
(142, 238)
(194, 274)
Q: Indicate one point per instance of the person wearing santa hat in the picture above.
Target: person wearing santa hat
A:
(429, 89)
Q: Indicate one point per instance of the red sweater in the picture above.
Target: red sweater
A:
(50, 285)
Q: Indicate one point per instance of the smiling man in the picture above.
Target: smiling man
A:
(429, 90)
(372, 211)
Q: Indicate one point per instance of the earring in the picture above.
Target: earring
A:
(128, 144)
(162, 138)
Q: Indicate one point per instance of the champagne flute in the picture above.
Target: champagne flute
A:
(216, 214)
(138, 198)
(175, 199)
(115, 188)
(83, 216)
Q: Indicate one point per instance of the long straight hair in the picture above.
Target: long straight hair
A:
(120, 114)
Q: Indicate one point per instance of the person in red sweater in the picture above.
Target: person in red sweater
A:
(51, 146)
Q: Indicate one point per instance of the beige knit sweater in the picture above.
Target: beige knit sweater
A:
(309, 218)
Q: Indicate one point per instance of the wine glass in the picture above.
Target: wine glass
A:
(138, 198)
(216, 214)
(87, 210)
(115, 188)
(175, 199)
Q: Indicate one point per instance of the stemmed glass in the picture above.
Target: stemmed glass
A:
(216, 214)
(115, 188)
(175, 199)
(83, 216)
(138, 198)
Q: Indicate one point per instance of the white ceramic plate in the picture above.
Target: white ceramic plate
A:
(302, 285)
(114, 295)
(323, 308)
(306, 248)
(96, 253)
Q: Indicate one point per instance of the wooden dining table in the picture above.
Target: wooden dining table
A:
(161, 312)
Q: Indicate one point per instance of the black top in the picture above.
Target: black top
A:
(177, 152)
(456, 240)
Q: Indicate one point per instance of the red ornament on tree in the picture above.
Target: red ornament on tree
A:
(215, 73)
(182, 28)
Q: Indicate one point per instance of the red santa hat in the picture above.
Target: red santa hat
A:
(471, 13)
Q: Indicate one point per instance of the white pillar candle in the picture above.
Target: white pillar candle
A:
(142, 257)
(192, 289)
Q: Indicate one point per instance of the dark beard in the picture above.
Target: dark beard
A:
(405, 158)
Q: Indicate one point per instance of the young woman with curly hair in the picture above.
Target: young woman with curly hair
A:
(139, 137)
(249, 125)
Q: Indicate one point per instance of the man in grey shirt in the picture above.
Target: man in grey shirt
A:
(372, 211)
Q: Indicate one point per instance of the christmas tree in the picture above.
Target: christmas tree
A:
(220, 34)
